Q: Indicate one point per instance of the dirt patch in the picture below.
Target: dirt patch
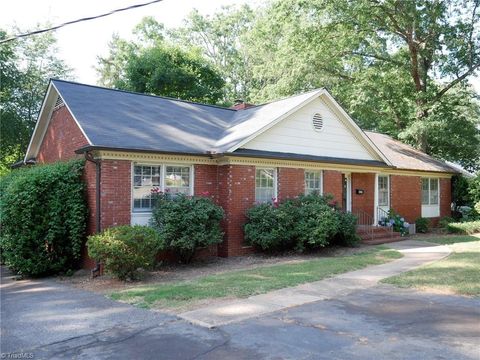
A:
(167, 273)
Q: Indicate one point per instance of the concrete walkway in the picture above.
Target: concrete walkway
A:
(415, 254)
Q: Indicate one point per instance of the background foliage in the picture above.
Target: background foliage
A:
(25, 67)
(43, 218)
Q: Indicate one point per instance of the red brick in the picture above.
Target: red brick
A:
(291, 183)
(332, 184)
(366, 201)
(406, 196)
(62, 138)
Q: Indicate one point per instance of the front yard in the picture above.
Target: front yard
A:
(183, 295)
(459, 273)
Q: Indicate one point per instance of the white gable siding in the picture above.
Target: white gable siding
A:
(296, 134)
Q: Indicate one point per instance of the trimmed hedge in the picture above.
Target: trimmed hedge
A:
(306, 222)
(43, 218)
(186, 223)
(470, 227)
(124, 249)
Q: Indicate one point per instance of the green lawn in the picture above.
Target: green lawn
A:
(238, 284)
(459, 273)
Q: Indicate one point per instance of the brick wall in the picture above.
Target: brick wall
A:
(366, 201)
(332, 184)
(236, 191)
(406, 196)
(291, 182)
(205, 180)
(115, 193)
(445, 197)
(62, 138)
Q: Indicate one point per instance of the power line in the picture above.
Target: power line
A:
(36, 32)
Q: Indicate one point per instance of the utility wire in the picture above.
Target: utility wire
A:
(40, 31)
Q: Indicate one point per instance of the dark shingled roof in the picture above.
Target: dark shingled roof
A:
(403, 156)
(116, 119)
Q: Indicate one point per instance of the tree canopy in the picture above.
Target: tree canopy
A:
(153, 65)
(25, 68)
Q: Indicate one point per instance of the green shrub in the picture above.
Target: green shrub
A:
(470, 227)
(271, 228)
(443, 222)
(186, 223)
(347, 230)
(124, 249)
(43, 218)
(317, 222)
(306, 222)
(421, 225)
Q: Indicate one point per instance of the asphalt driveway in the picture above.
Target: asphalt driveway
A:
(47, 320)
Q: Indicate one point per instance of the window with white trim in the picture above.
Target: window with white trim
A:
(430, 191)
(383, 190)
(177, 179)
(166, 178)
(145, 178)
(313, 182)
(265, 185)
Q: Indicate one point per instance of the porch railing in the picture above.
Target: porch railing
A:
(364, 223)
(382, 214)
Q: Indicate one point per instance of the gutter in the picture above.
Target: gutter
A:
(98, 227)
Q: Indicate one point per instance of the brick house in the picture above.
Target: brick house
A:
(240, 155)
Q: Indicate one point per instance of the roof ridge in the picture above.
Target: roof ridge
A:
(286, 97)
(142, 94)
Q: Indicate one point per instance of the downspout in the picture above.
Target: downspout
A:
(98, 227)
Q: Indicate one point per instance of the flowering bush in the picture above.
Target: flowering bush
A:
(395, 221)
(186, 223)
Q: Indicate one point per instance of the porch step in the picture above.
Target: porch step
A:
(384, 240)
(377, 235)
(365, 229)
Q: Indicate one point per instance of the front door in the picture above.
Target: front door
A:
(347, 192)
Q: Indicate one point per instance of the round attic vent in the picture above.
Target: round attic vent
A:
(317, 122)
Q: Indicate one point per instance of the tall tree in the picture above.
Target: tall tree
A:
(392, 63)
(153, 64)
(25, 68)
(221, 39)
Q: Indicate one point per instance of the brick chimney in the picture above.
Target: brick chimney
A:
(241, 105)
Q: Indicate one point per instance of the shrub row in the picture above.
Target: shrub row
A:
(470, 227)
(43, 218)
(180, 224)
(306, 222)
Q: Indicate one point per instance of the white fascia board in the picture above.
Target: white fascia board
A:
(51, 93)
(43, 121)
(359, 131)
(275, 121)
(74, 118)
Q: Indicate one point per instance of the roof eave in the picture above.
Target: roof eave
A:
(88, 148)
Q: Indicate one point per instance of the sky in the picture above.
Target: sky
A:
(80, 44)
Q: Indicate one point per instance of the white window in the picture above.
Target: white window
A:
(265, 185)
(166, 178)
(383, 191)
(313, 182)
(177, 179)
(145, 178)
(429, 191)
(430, 198)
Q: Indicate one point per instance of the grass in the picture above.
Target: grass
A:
(244, 283)
(459, 273)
